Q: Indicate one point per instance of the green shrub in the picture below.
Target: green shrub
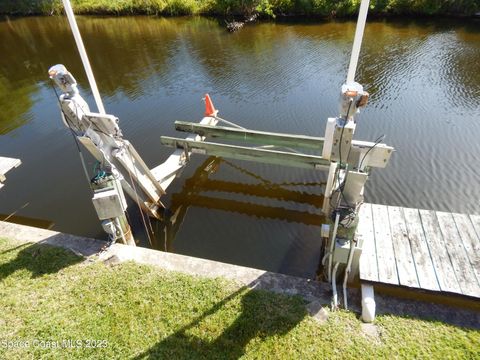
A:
(242, 7)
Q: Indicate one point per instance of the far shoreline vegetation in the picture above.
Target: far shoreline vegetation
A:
(246, 8)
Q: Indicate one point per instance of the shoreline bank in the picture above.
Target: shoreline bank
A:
(266, 9)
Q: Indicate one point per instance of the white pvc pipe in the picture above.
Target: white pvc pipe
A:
(368, 303)
(334, 286)
(357, 41)
(83, 55)
(332, 246)
(347, 273)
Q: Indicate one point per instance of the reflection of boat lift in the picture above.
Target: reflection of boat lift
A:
(200, 182)
(121, 168)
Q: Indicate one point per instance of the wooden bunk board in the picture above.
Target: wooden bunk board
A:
(420, 249)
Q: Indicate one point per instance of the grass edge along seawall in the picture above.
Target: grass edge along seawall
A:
(66, 307)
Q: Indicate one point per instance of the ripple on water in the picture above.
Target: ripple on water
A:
(424, 80)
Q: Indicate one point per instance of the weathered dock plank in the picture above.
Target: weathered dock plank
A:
(420, 249)
(438, 251)
(423, 262)
(368, 260)
(383, 240)
(476, 223)
(407, 274)
(470, 241)
(475, 219)
(460, 261)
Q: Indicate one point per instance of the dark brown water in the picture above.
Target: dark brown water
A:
(424, 77)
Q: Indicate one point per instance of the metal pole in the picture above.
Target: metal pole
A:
(347, 273)
(357, 42)
(334, 286)
(83, 54)
(332, 246)
(125, 231)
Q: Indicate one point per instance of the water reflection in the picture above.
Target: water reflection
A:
(424, 78)
(289, 203)
(263, 60)
(22, 220)
(410, 51)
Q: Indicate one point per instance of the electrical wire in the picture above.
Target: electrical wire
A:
(379, 139)
(340, 187)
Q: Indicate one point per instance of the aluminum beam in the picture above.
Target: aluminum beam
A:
(253, 136)
(249, 154)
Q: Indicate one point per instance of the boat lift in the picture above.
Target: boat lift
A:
(120, 169)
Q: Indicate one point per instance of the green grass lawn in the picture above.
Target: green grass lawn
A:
(48, 295)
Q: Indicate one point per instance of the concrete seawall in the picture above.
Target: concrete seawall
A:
(244, 276)
(317, 294)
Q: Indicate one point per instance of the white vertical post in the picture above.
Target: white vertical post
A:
(368, 303)
(328, 188)
(357, 42)
(83, 55)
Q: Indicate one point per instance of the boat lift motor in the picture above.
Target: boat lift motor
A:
(118, 160)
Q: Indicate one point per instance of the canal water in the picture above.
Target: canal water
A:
(423, 77)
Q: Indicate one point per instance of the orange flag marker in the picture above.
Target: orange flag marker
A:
(209, 108)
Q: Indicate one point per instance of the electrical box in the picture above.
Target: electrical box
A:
(340, 255)
(107, 203)
(354, 185)
(342, 248)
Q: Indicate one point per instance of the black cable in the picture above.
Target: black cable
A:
(379, 139)
(340, 187)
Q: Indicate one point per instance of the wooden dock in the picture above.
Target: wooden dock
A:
(7, 164)
(420, 249)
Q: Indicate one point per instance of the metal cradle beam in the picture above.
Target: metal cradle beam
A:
(253, 136)
(249, 154)
(377, 154)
